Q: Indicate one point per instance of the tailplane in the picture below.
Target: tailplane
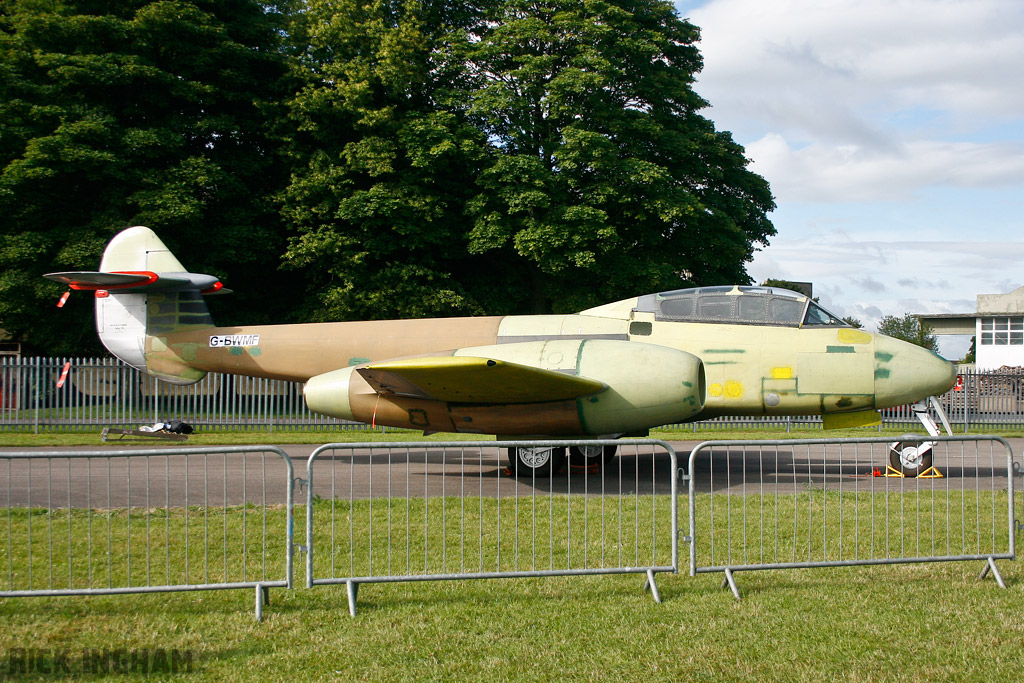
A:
(143, 293)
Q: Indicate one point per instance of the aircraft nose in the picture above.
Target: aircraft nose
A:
(906, 373)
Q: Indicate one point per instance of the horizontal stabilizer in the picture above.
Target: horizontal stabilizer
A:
(465, 379)
(138, 281)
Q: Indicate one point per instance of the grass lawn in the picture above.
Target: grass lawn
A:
(926, 622)
(916, 622)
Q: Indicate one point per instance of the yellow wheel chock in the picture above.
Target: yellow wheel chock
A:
(930, 473)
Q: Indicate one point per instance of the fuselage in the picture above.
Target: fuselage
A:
(749, 369)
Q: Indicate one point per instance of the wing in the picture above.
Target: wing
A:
(467, 379)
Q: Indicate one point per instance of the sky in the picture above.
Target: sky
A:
(892, 134)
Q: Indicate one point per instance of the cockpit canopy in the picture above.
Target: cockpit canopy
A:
(738, 305)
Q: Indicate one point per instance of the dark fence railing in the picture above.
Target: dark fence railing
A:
(104, 392)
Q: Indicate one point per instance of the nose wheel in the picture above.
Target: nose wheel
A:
(910, 458)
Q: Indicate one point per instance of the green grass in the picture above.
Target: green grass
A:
(62, 549)
(834, 526)
(916, 622)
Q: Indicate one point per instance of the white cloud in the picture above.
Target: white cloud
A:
(956, 55)
(868, 99)
(845, 172)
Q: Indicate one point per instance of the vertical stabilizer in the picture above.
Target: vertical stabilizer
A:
(132, 324)
(143, 294)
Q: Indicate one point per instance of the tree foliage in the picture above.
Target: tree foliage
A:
(122, 113)
(397, 157)
(602, 178)
(384, 160)
(910, 329)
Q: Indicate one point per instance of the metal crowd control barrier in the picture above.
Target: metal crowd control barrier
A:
(146, 521)
(778, 504)
(381, 513)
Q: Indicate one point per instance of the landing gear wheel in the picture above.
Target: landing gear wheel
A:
(585, 456)
(537, 461)
(910, 457)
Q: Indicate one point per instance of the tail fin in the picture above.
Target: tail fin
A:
(142, 294)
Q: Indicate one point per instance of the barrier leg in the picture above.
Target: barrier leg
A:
(731, 583)
(353, 590)
(990, 566)
(649, 584)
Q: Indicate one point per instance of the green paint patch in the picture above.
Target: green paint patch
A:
(236, 351)
(256, 351)
(881, 373)
(687, 384)
(839, 349)
(725, 350)
(357, 361)
(882, 356)
(720, 362)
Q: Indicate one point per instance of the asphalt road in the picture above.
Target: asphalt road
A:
(358, 473)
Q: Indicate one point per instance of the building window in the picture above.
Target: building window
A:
(1002, 331)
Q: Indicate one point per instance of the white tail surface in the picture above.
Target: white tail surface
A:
(166, 300)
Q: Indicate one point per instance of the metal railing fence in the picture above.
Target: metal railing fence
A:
(777, 504)
(380, 513)
(104, 392)
(145, 521)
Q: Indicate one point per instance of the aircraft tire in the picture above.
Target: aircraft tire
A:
(905, 458)
(535, 461)
(584, 456)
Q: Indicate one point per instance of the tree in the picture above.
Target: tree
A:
(407, 157)
(141, 112)
(509, 156)
(603, 179)
(910, 329)
(384, 161)
(853, 322)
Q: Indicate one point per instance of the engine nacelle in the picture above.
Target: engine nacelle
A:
(646, 385)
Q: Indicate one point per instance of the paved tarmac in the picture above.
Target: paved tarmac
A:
(260, 476)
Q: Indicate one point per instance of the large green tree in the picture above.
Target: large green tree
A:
(603, 179)
(115, 113)
(510, 156)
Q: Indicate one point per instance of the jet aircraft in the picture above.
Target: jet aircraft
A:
(614, 370)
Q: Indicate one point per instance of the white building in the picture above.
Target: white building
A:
(998, 329)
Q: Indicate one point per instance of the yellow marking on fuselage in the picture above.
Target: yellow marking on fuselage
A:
(852, 336)
(715, 390)
(782, 373)
(733, 389)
